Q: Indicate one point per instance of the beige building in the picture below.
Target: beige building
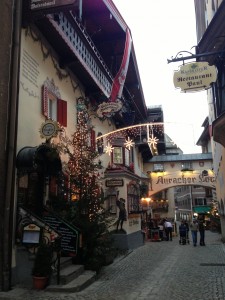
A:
(70, 57)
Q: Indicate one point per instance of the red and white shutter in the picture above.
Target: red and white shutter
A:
(45, 101)
(93, 140)
(62, 112)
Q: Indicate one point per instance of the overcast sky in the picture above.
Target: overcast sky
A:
(160, 29)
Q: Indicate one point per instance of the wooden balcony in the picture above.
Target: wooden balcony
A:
(90, 44)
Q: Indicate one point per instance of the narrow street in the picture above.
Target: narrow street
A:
(157, 270)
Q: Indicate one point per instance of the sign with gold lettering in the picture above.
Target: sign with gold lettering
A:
(194, 77)
(114, 182)
(162, 182)
(108, 109)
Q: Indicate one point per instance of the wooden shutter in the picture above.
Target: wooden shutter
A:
(45, 101)
(62, 112)
(93, 141)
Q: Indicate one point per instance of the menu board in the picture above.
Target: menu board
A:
(69, 235)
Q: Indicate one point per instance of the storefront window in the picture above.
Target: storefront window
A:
(133, 198)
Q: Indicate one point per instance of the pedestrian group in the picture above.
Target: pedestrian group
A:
(195, 227)
(163, 230)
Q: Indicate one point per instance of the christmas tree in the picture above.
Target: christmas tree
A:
(87, 210)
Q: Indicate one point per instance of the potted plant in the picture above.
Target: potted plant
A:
(42, 268)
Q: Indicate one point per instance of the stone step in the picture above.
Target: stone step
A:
(65, 261)
(76, 285)
(68, 273)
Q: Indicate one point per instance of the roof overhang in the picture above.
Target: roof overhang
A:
(213, 39)
(201, 209)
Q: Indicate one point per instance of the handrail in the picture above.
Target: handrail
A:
(28, 217)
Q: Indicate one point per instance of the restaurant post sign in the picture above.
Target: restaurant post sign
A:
(194, 77)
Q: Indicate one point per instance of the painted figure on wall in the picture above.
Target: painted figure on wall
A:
(122, 213)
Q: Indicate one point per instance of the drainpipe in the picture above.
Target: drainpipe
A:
(9, 206)
(80, 10)
(191, 191)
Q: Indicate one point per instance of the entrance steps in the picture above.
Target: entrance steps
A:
(73, 278)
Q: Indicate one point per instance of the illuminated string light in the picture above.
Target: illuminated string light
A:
(134, 129)
(109, 148)
(129, 143)
(152, 141)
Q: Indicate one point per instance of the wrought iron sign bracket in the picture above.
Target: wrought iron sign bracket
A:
(180, 57)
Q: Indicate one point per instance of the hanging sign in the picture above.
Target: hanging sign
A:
(108, 109)
(48, 4)
(194, 77)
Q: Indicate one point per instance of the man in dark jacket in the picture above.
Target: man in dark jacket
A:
(201, 228)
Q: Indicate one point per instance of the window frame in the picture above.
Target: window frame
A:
(119, 160)
(53, 107)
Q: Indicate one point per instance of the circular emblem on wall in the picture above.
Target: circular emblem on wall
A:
(49, 129)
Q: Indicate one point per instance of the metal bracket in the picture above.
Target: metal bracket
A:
(180, 57)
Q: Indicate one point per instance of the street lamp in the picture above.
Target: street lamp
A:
(146, 205)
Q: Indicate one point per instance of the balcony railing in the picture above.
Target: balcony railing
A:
(74, 36)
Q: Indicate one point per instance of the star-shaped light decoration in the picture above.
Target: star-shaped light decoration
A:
(129, 143)
(109, 148)
(152, 141)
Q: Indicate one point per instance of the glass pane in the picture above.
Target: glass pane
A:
(117, 155)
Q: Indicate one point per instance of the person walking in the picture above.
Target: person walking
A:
(168, 229)
(194, 231)
(183, 233)
(161, 231)
(201, 228)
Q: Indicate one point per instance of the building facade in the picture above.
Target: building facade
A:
(210, 34)
(72, 56)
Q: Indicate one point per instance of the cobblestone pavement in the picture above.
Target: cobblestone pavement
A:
(157, 270)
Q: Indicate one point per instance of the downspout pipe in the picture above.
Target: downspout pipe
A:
(9, 207)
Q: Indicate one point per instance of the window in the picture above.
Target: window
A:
(200, 201)
(118, 155)
(127, 157)
(197, 187)
(53, 107)
(158, 168)
(133, 199)
(186, 165)
(111, 203)
(208, 192)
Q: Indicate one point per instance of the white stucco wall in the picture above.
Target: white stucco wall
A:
(34, 70)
